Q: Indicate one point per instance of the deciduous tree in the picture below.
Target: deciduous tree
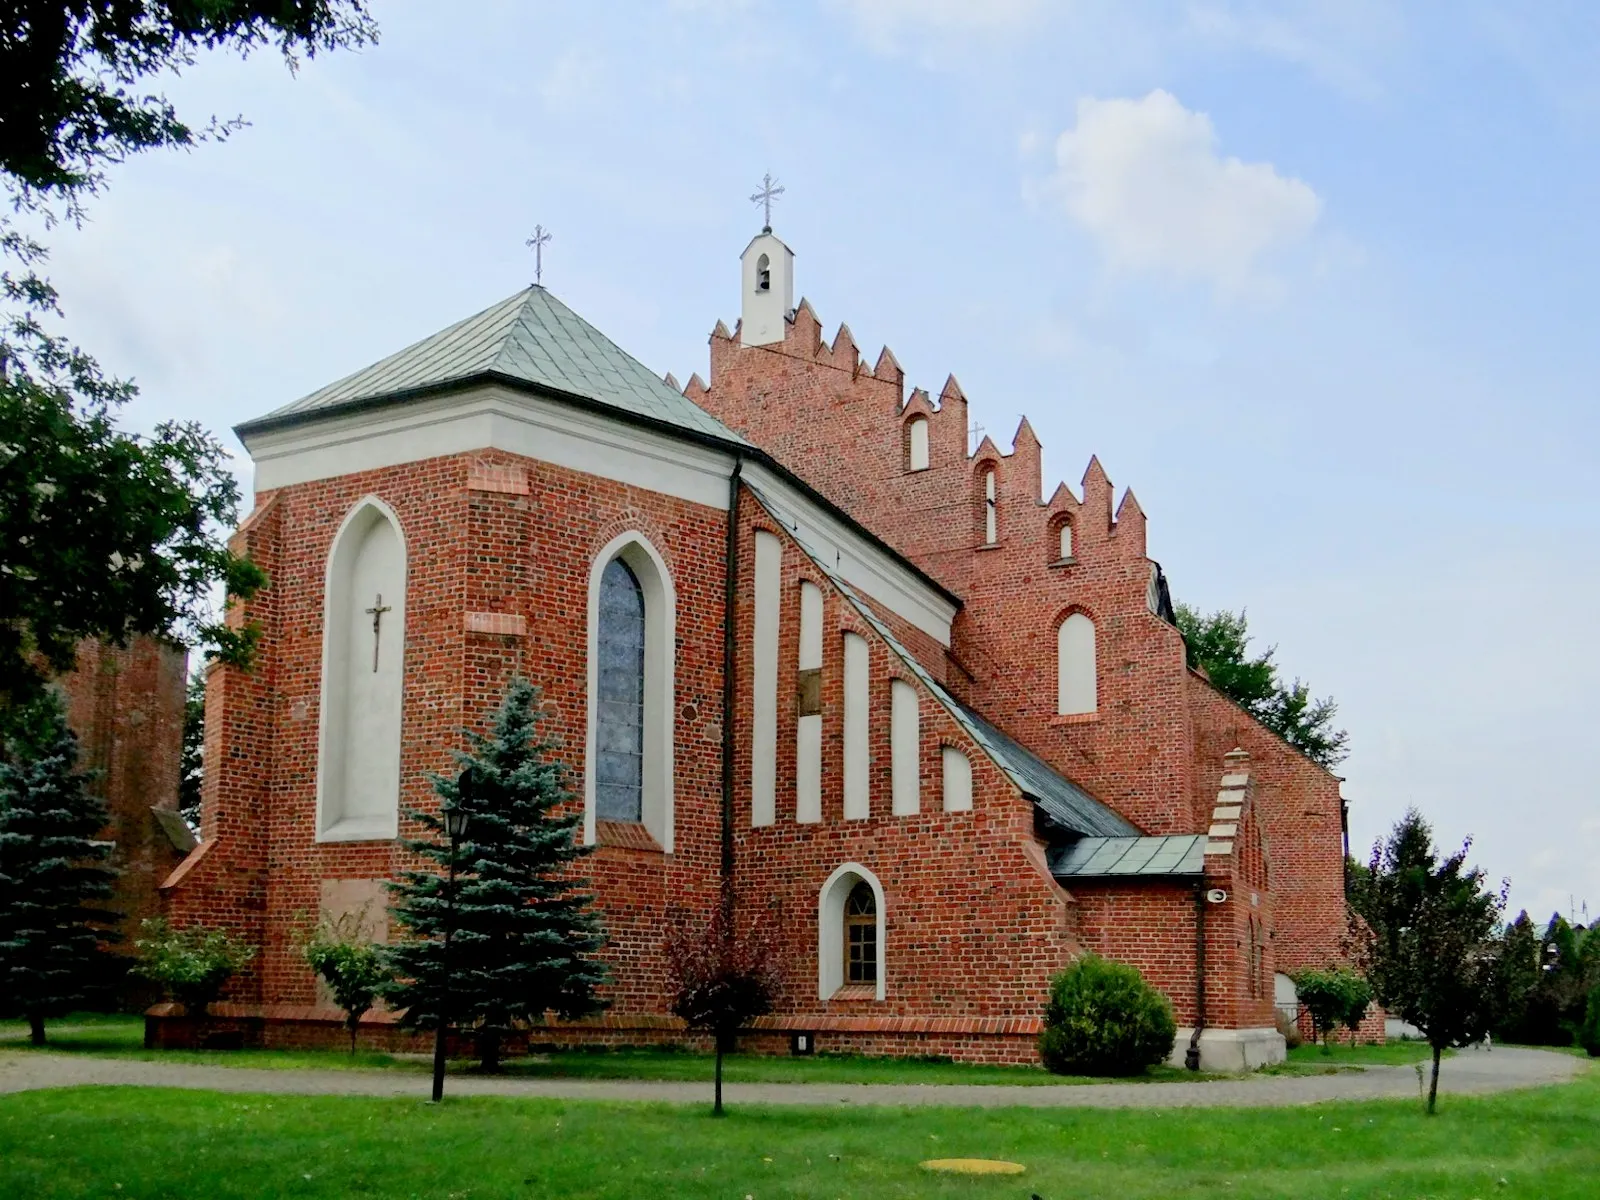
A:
(722, 978)
(1219, 644)
(1433, 949)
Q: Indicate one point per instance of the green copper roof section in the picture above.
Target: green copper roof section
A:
(1177, 855)
(529, 338)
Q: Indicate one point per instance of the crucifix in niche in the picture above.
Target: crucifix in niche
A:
(377, 610)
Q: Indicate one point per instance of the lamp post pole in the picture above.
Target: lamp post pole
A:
(455, 826)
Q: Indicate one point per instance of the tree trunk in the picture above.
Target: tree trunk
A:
(489, 1051)
(352, 1039)
(716, 1107)
(1433, 1088)
(36, 1029)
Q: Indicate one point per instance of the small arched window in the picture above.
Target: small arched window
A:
(1075, 664)
(1066, 540)
(957, 780)
(619, 732)
(917, 444)
(763, 274)
(991, 525)
(861, 935)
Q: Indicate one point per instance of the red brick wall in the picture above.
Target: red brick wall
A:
(1297, 806)
(126, 706)
(505, 550)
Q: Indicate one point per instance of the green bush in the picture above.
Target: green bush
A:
(191, 964)
(345, 957)
(1334, 997)
(1589, 1031)
(1104, 1019)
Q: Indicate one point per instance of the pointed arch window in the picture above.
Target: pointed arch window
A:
(991, 523)
(619, 732)
(1076, 687)
(861, 935)
(1066, 540)
(763, 274)
(917, 444)
(628, 738)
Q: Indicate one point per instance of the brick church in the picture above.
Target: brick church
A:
(789, 624)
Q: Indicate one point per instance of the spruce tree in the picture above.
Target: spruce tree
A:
(524, 937)
(52, 869)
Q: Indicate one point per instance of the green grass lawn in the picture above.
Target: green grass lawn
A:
(129, 1142)
(123, 1037)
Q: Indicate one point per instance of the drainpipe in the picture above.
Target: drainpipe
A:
(1191, 1060)
(730, 572)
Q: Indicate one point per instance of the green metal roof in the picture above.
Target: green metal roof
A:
(529, 338)
(1063, 801)
(1108, 857)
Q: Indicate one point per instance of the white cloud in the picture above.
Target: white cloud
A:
(1344, 43)
(887, 23)
(1144, 179)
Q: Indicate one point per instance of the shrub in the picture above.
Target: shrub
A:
(1589, 1031)
(350, 963)
(192, 964)
(1104, 1019)
(1334, 997)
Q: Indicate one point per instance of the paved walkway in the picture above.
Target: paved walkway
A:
(1470, 1071)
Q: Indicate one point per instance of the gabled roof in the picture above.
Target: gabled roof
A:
(1180, 854)
(1063, 801)
(528, 338)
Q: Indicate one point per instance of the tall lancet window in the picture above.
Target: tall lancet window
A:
(991, 529)
(363, 652)
(619, 731)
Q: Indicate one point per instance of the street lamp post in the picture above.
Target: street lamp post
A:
(455, 827)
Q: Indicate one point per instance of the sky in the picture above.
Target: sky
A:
(1314, 278)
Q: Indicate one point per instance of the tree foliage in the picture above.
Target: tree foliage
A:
(192, 964)
(1219, 644)
(1334, 997)
(69, 70)
(1546, 980)
(1102, 1018)
(721, 977)
(53, 869)
(106, 533)
(191, 767)
(524, 937)
(1432, 939)
(346, 958)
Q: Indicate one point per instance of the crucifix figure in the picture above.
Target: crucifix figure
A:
(770, 191)
(377, 610)
(541, 235)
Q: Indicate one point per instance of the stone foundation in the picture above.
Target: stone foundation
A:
(1231, 1051)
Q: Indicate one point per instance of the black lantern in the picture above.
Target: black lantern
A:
(455, 815)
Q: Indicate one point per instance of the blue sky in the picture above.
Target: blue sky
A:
(1314, 278)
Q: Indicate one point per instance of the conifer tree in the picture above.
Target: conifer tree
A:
(52, 869)
(523, 936)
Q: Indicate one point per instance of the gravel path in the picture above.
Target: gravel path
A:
(1471, 1071)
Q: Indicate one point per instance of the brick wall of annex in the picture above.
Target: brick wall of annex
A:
(518, 543)
(974, 924)
(1297, 805)
(126, 706)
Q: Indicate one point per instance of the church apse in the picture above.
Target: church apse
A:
(362, 678)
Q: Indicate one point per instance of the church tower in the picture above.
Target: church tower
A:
(768, 289)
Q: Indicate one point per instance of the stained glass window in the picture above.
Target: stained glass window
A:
(619, 731)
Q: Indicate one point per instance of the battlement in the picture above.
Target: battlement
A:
(901, 463)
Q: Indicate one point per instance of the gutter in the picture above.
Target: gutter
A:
(730, 597)
(1191, 1058)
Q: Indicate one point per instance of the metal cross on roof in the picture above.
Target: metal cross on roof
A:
(770, 191)
(541, 235)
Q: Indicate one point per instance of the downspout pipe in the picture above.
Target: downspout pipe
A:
(1191, 1059)
(730, 603)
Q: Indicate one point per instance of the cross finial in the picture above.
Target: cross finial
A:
(976, 434)
(540, 237)
(770, 191)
